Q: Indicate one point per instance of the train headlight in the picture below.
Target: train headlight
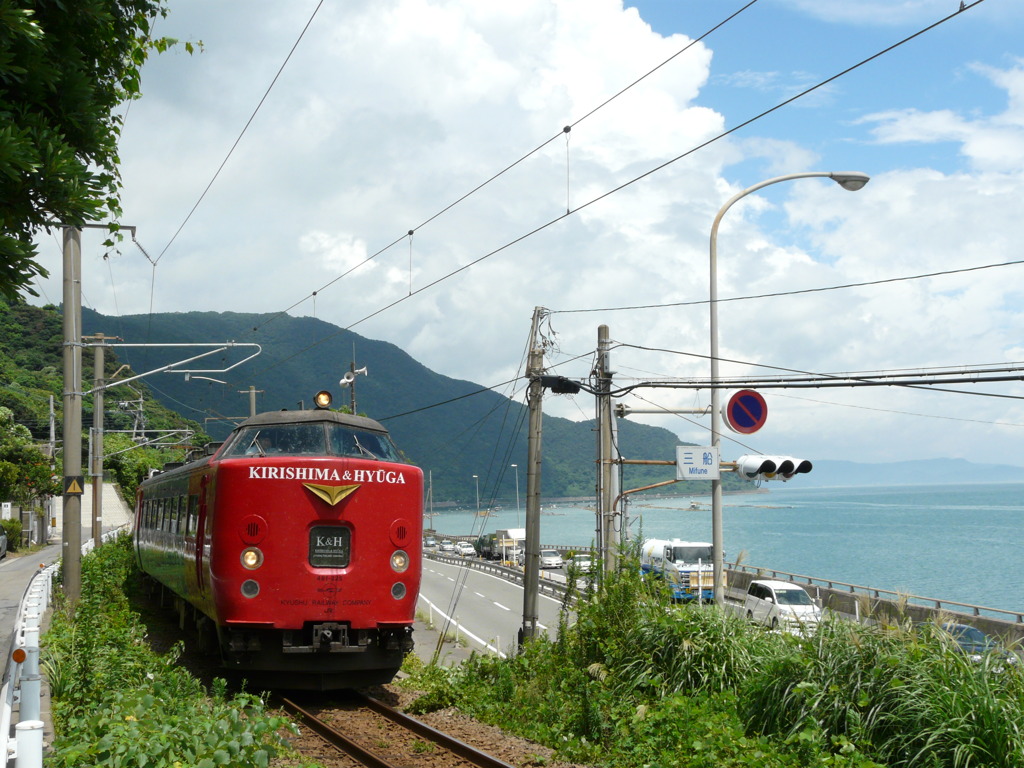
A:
(252, 558)
(322, 399)
(399, 561)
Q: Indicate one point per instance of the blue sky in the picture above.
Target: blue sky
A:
(384, 113)
(775, 49)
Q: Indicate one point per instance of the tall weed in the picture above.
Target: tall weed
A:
(116, 703)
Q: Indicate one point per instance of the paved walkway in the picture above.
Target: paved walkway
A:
(116, 512)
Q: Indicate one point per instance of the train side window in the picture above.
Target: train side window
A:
(193, 514)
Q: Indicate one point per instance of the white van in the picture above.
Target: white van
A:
(780, 604)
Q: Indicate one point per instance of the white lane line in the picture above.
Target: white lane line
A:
(465, 631)
(502, 607)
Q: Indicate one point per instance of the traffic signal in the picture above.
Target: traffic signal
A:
(752, 467)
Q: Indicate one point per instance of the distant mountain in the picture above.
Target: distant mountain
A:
(917, 472)
(453, 429)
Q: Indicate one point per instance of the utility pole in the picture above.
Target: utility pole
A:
(534, 397)
(607, 439)
(72, 534)
(252, 398)
(97, 440)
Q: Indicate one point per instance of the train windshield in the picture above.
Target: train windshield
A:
(311, 440)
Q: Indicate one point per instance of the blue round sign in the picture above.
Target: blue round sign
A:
(746, 412)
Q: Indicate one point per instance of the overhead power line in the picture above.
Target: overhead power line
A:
(624, 185)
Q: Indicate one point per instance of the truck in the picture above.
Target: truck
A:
(686, 566)
(509, 544)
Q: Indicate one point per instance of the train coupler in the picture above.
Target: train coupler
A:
(397, 639)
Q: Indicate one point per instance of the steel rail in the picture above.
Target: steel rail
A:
(460, 748)
(372, 760)
(335, 738)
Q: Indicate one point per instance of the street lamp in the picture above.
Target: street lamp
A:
(516, 468)
(475, 477)
(849, 181)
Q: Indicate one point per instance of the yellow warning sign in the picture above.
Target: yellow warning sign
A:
(73, 485)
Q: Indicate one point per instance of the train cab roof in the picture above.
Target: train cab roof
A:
(273, 418)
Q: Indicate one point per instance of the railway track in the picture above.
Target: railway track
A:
(375, 735)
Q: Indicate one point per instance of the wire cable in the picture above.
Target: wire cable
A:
(240, 135)
(630, 182)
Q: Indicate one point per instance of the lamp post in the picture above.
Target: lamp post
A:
(477, 478)
(516, 468)
(850, 181)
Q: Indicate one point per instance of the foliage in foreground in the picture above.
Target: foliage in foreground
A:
(637, 681)
(116, 703)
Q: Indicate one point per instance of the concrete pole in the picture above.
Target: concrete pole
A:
(72, 545)
(606, 438)
(534, 396)
(252, 401)
(97, 441)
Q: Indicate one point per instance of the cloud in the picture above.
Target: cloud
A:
(445, 118)
(990, 143)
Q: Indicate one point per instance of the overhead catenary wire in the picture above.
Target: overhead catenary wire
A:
(594, 200)
(564, 131)
(458, 270)
(240, 135)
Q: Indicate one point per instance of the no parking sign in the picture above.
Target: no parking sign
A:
(746, 412)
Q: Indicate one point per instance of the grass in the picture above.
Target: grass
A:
(117, 703)
(636, 681)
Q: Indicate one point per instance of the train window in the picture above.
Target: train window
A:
(362, 443)
(282, 440)
(193, 515)
(330, 546)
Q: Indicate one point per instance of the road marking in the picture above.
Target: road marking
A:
(502, 607)
(465, 631)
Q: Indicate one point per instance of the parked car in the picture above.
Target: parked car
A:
(3, 544)
(781, 605)
(465, 549)
(446, 547)
(582, 563)
(550, 558)
(975, 643)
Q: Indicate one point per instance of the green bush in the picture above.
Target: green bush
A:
(637, 681)
(12, 527)
(116, 703)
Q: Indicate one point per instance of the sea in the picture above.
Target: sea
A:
(960, 543)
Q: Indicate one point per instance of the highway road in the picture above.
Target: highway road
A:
(484, 611)
(15, 574)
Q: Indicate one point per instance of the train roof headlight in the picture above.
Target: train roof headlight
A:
(252, 558)
(322, 399)
(399, 561)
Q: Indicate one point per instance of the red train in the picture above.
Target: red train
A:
(296, 547)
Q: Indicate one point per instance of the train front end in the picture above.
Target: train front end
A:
(315, 550)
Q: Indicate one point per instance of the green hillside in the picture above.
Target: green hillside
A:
(32, 373)
(453, 429)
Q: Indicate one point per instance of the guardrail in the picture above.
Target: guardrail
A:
(22, 683)
(1016, 617)
(548, 585)
(870, 603)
